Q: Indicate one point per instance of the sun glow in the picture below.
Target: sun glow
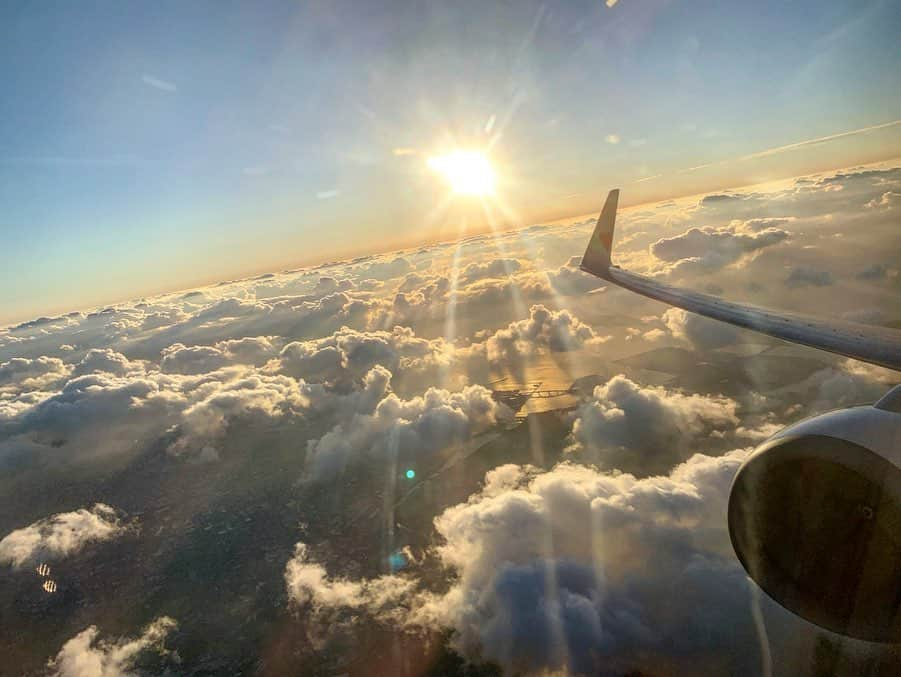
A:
(467, 172)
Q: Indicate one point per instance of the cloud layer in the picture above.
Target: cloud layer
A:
(322, 383)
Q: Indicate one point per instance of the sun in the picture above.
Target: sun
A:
(468, 172)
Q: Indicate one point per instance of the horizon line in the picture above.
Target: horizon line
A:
(350, 257)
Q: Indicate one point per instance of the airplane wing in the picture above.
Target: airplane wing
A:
(876, 345)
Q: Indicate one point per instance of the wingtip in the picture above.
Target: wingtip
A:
(597, 255)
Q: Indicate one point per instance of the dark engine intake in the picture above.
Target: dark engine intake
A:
(815, 518)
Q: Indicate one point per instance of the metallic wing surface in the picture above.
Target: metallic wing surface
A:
(876, 345)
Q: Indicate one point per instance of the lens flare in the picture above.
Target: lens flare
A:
(467, 172)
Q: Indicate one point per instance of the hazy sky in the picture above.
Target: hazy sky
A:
(146, 147)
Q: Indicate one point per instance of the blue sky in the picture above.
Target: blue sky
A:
(146, 147)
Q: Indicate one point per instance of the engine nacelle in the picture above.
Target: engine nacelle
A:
(815, 518)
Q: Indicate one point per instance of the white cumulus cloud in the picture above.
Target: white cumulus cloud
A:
(86, 655)
(395, 427)
(60, 535)
(308, 583)
(645, 429)
(703, 250)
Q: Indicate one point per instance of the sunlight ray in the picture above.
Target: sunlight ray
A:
(450, 318)
(556, 300)
(389, 499)
(551, 582)
(519, 306)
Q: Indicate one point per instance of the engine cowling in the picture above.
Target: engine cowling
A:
(815, 519)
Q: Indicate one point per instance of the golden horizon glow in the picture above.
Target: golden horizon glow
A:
(468, 172)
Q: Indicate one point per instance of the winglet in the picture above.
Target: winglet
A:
(597, 257)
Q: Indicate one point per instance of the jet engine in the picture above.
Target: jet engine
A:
(815, 518)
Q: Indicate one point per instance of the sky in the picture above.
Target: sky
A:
(146, 148)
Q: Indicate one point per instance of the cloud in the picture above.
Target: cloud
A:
(647, 178)
(60, 535)
(350, 354)
(382, 425)
(309, 585)
(19, 374)
(498, 293)
(328, 284)
(718, 198)
(569, 280)
(413, 281)
(102, 413)
(818, 140)
(38, 322)
(249, 394)
(485, 300)
(570, 570)
(281, 316)
(86, 656)
(497, 268)
(156, 83)
(701, 332)
(847, 384)
(805, 276)
(704, 250)
(384, 269)
(419, 297)
(573, 570)
(645, 429)
(651, 335)
(888, 200)
(544, 331)
(181, 359)
(163, 317)
(765, 223)
(95, 407)
(100, 360)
